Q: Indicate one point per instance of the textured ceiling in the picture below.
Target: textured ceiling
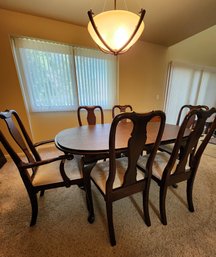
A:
(166, 22)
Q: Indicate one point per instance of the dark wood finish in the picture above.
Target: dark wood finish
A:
(87, 140)
(120, 109)
(22, 139)
(2, 159)
(91, 117)
(188, 154)
(117, 109)
(135, 145)
(190, 123)
(189, 108)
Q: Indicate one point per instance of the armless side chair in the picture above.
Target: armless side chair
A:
(121, 108)
(183, 163)
(117, 178)
(91, 120)
(185, 109)
(38, 175)
(91, 117)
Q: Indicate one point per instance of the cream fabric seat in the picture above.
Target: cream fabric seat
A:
(167, 148)
(100, 173)
(49, 173)
(159, 164)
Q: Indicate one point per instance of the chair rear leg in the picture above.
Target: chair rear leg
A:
(34, 205)
(109, 211)
(163, 192)
(190, 195)
(146, 207)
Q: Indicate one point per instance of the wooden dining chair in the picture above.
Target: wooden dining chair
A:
(91, 120)
(183, 163)
(184, 110)
(119, 177)
(91, 117)
(38, 174)
(121, 108)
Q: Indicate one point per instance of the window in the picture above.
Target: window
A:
(189, 84)
(58, 77)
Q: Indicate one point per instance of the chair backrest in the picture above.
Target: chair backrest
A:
(136, 145)
(186, 109)
(120, 109)
(188, 149)
(22, 139)
(91, 117)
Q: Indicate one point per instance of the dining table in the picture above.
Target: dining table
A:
(93, 140)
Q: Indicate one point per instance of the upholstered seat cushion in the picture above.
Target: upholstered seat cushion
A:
(159, 164)
(167, 148)
(50, 173)
(101, 171)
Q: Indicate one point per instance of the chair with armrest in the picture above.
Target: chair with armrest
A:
(91, 117)
(119, 177)
(183, 163)
(182, 112)
(121, 108)
(38, 175)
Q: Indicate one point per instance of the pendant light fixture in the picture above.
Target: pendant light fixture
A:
(115, 31)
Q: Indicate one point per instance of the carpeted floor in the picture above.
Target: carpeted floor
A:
(62, 228)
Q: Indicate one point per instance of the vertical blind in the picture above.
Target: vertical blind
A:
(189, 84)
(95, 87)
(58, 77)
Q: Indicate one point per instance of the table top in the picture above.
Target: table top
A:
(94, 139)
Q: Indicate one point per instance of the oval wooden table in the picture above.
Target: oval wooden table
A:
(94, 139)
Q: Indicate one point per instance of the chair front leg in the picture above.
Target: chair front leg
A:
(146, 206)
(163, 192)
(34, 205)
(109, 211)
(190, 194)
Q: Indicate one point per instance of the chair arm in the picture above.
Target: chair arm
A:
(43, 162)
(43, 142)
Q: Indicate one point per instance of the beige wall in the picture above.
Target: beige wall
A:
(142, 73)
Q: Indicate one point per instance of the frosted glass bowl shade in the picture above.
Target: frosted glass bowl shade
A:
(115, 27)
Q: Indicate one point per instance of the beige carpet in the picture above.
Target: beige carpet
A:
(62, 228)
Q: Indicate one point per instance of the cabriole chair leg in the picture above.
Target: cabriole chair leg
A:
(146, 208)
(190, 195)
(34, 205)
(110, 223)
(163, 192)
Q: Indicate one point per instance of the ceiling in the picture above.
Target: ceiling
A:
(166, 22)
